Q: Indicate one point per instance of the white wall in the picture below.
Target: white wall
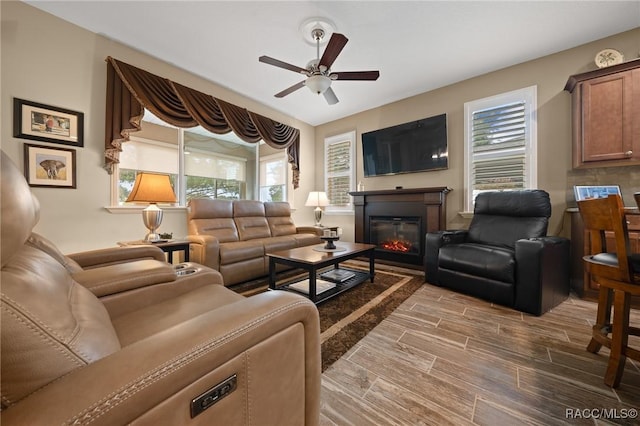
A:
(47, 60)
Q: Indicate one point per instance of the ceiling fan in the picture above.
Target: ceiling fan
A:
(318, 71)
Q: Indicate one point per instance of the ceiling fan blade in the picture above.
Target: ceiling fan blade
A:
(291, 89)
(330, 96)
(333, 49)
(280, 64)
(355, 75)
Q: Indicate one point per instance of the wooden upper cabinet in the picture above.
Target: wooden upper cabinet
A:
(606, 116)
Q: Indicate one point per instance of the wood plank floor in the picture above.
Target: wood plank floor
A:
(443, 358)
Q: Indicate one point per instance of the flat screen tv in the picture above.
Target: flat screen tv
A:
(416, 146)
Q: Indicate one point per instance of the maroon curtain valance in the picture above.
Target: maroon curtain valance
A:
(130, 90)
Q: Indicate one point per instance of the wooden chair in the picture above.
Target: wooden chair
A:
(617, 272)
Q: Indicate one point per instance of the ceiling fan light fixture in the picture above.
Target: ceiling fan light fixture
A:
(318, 83)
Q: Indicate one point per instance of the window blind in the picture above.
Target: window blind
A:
(339, 157)
(338, 167)
(499, 128)
(498, 143)
(273, 172)
(338, 190)
(149, 157)
(273, 178)
(499, 173)
(213, 166)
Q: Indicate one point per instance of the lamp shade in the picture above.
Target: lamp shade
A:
(317, 199)
(152, 188)
(318, 83)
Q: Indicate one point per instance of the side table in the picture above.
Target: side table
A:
(169, 247)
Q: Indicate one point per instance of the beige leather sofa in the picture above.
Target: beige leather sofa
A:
(234, 237)
(118, 336)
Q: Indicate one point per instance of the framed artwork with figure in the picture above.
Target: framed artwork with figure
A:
(50, 167)
(46, 123)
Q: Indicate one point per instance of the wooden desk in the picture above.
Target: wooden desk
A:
(169, 247)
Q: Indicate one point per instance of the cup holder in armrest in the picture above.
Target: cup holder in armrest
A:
(184, 271)
(189, 268)
(180, 266)
(185, 268)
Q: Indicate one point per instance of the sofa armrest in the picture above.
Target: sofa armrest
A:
(121, 277)
(113, 255)
(205, 250)
(269, 341)
(316, 230)
(433, 242)
(542, 274)
(196, 276)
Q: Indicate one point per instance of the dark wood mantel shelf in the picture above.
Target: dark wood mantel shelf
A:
(428, 204)
(440, 189)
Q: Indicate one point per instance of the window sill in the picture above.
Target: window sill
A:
(339, 212)
(138, 209)
(466, 215)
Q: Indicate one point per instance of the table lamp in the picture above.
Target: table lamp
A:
(317, 199)
(152, 188)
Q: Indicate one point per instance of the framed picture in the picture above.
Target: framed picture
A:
(45, 166)
(46, 123)
(593, 191)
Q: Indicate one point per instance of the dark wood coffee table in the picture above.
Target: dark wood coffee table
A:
(314, 261)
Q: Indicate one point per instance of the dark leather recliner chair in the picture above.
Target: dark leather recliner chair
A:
(118, 336)
(505, 256)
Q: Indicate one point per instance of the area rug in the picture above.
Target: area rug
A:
(347, 318)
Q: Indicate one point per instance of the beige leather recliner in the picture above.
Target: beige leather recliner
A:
(118, 336)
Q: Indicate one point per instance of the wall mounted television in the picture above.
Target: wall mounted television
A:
(412, 147)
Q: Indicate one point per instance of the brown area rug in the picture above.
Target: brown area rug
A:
(347, 318)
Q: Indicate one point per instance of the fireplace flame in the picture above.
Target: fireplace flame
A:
(397, 245)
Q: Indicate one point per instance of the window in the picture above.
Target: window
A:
(201, 164)
(213, 175)
(145, 155)
(500, 143)
(339, 163)
(215, 166)
(273, 178)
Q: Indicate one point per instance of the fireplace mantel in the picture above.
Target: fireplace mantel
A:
(429, 204)
(442, 189)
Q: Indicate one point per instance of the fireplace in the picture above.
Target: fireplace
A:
(396, 235)
(396, 221)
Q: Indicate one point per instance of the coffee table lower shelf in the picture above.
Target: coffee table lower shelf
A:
(315, 262)
(341, 287)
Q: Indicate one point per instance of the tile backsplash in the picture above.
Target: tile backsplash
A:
(628, 178)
